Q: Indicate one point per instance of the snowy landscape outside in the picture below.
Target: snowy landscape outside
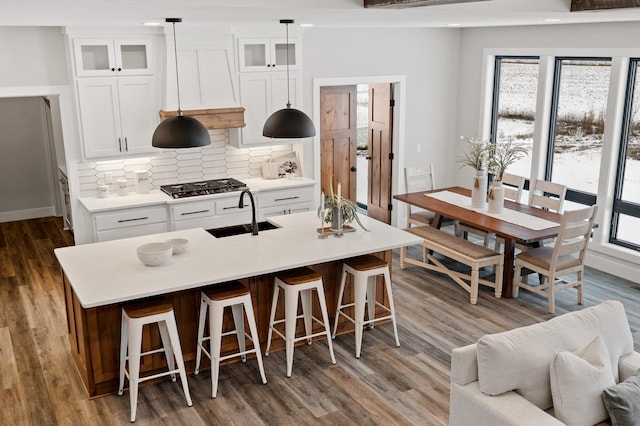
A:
(582, 101)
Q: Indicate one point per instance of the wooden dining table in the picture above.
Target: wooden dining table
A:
(510, 232)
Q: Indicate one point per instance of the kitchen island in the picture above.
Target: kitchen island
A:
(99, 278)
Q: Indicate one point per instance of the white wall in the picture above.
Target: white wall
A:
(26, 180)
(429, 60)
(32, 56)
(616, 39)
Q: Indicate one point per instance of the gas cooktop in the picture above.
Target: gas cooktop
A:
(205, 187)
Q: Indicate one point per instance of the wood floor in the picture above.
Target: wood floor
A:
(387, 385)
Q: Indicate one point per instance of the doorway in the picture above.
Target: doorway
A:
(28, 173)
(356, 144)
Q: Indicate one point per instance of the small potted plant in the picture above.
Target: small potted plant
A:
(501, 156)
(348, 210)
(290, 168)
(476, 157)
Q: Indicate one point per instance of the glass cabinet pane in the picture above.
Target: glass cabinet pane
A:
(95, 57)
(281, 53)
(133, 56)
(255, 55)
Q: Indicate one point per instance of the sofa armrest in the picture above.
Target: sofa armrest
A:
(628, 364)
(464, 364)
(469, 406)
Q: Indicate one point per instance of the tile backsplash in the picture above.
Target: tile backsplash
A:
(218, 160)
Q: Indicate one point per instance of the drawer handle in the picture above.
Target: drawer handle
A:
(196, 212)
(234, 207)
(134, 219)
(287, 198)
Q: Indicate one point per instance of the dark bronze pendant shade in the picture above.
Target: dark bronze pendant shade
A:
(179, 131)
(288, 123)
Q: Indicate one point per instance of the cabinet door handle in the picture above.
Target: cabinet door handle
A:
(113, 69)
(287, 198)
(134, 219)
(196, 212)
(120, 144)
(119, 69)
(126, 144)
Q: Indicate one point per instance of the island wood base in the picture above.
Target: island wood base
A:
(94, 333)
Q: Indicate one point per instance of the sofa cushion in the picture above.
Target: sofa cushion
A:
(577, 382)
(623, 401)
(519, 359)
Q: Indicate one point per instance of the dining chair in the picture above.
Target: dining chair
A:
(421, 179)
(545, 195)
(513, 187)
(555, 262)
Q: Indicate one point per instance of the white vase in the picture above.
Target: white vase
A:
(479, 190)
(496, 197)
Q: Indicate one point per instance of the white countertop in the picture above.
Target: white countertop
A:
(110, 272)
(156, 197)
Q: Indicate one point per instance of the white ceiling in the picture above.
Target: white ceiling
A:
(321, 13)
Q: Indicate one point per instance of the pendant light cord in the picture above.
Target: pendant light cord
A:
(175, 53)
(288, 83)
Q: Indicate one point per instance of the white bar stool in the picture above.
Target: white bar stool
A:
(214, 300)
(134, 317)
(365, 269)
(298, 283)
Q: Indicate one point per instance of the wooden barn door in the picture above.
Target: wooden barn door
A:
(338, 135)
(380, 151)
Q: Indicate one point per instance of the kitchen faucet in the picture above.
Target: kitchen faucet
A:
(254, 223)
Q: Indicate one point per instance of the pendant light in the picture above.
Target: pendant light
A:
(179, 131)
(288, 123)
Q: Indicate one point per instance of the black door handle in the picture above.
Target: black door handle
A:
(353, 169)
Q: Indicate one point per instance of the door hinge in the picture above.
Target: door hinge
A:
(390, 207)
(391, 156)
(392, 103)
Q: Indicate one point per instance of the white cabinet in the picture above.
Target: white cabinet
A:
(132, 222)
(118, 115)
(284, 201)
(261, 95)
(268, 54)
(95, 57)
(211, 213)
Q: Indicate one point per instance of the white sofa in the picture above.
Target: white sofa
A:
(503, 379)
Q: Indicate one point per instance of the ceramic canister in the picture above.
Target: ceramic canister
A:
(123, 186)
(142, 181)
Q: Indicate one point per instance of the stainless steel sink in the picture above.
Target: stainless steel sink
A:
(229, 231)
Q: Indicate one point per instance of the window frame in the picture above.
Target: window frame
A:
(620, 206)
(495, 99)
(573, 195)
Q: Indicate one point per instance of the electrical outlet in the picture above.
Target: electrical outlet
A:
(419, 147)
(108, 178)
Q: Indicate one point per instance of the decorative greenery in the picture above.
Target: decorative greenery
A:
(477, 155)
(348, 208)
(289, 166)
(502, 155)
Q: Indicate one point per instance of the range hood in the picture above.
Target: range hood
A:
(208, 85)
(401, 4)
(214, 118)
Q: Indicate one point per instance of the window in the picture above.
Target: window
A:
(514, 105)
(625, 225)
(580, 91)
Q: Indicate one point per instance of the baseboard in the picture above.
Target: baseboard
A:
(617, 262)
(27, 214)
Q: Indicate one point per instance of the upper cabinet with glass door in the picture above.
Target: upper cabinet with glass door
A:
(268, 54)
(96, 57)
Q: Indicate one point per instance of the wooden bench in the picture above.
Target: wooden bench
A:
(470, 254)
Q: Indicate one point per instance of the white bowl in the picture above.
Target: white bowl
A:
(154, 254)
(180, 245)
